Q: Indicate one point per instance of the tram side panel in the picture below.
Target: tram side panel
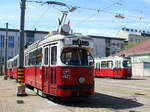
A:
(38, 77)
(14, 72)
(30, 75)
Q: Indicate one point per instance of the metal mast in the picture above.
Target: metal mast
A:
(20, 78)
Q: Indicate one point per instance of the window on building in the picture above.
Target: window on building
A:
(11, 41)
(53, 55)
(1, 41)
(18, 42)
(29, 38)
(1, 60)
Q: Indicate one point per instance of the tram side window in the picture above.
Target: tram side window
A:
(32, 58)
(53, 55)
(98, 65)
(29, 62)
(110, 64)
(15, 63)
(104, 64)
(107, 64)
(39, 56)
(119, 64)
(46, 56)
(26, 60)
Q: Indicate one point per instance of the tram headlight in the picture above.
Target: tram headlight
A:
(81, 80)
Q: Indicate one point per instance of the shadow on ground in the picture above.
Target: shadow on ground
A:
(120, 78)
(102, 101)
(137, 79)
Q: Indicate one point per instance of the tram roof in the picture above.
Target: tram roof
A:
(55, 36)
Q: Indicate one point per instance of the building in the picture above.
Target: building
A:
(107, 46)
(13, 41)
(104, 46)
(140, 57)
(133, 35)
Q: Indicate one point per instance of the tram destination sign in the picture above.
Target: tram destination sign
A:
(80, 42)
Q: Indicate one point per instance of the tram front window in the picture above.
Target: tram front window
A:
(76, 56)
(126, 64)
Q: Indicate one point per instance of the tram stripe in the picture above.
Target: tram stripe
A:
(83, 86)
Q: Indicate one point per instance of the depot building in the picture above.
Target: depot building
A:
(140, 57)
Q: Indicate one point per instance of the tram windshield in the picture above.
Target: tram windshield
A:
(77, 56)
(126, 63)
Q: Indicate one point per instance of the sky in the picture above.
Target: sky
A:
(92, 17)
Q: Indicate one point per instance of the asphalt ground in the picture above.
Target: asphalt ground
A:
(111, 95)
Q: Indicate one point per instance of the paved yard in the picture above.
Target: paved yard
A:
(112, 95)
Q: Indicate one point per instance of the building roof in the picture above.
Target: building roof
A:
(104, 37)
(143, 47)
(17, 30)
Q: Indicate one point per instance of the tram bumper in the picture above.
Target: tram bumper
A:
(76, 90)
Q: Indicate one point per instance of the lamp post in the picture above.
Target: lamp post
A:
(1, 55)
(20, 77)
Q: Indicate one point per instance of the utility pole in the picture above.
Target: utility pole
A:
(5, 65)
(20, 78)
(1, 55)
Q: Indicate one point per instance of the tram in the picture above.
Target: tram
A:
(60, 64)
(12, 65)
(114, 67)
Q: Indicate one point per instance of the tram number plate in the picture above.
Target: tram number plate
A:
(66, 76)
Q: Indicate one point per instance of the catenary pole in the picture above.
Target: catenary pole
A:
(5, 60)
(20, 77)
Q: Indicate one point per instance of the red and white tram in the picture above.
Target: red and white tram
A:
(58, 65)
(12, 67)
(114, 67)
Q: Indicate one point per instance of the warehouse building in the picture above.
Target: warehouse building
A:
(140, 57)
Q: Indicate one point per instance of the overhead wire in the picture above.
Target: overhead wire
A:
(87, 19)
(40, 17)
(93, 9)
(103, 10)
(113, 3)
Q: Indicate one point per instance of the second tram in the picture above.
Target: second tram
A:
(114, 67)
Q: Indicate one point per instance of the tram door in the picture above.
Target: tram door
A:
(46, 70)
(53, 69)
(117, 68)
(50, 59)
